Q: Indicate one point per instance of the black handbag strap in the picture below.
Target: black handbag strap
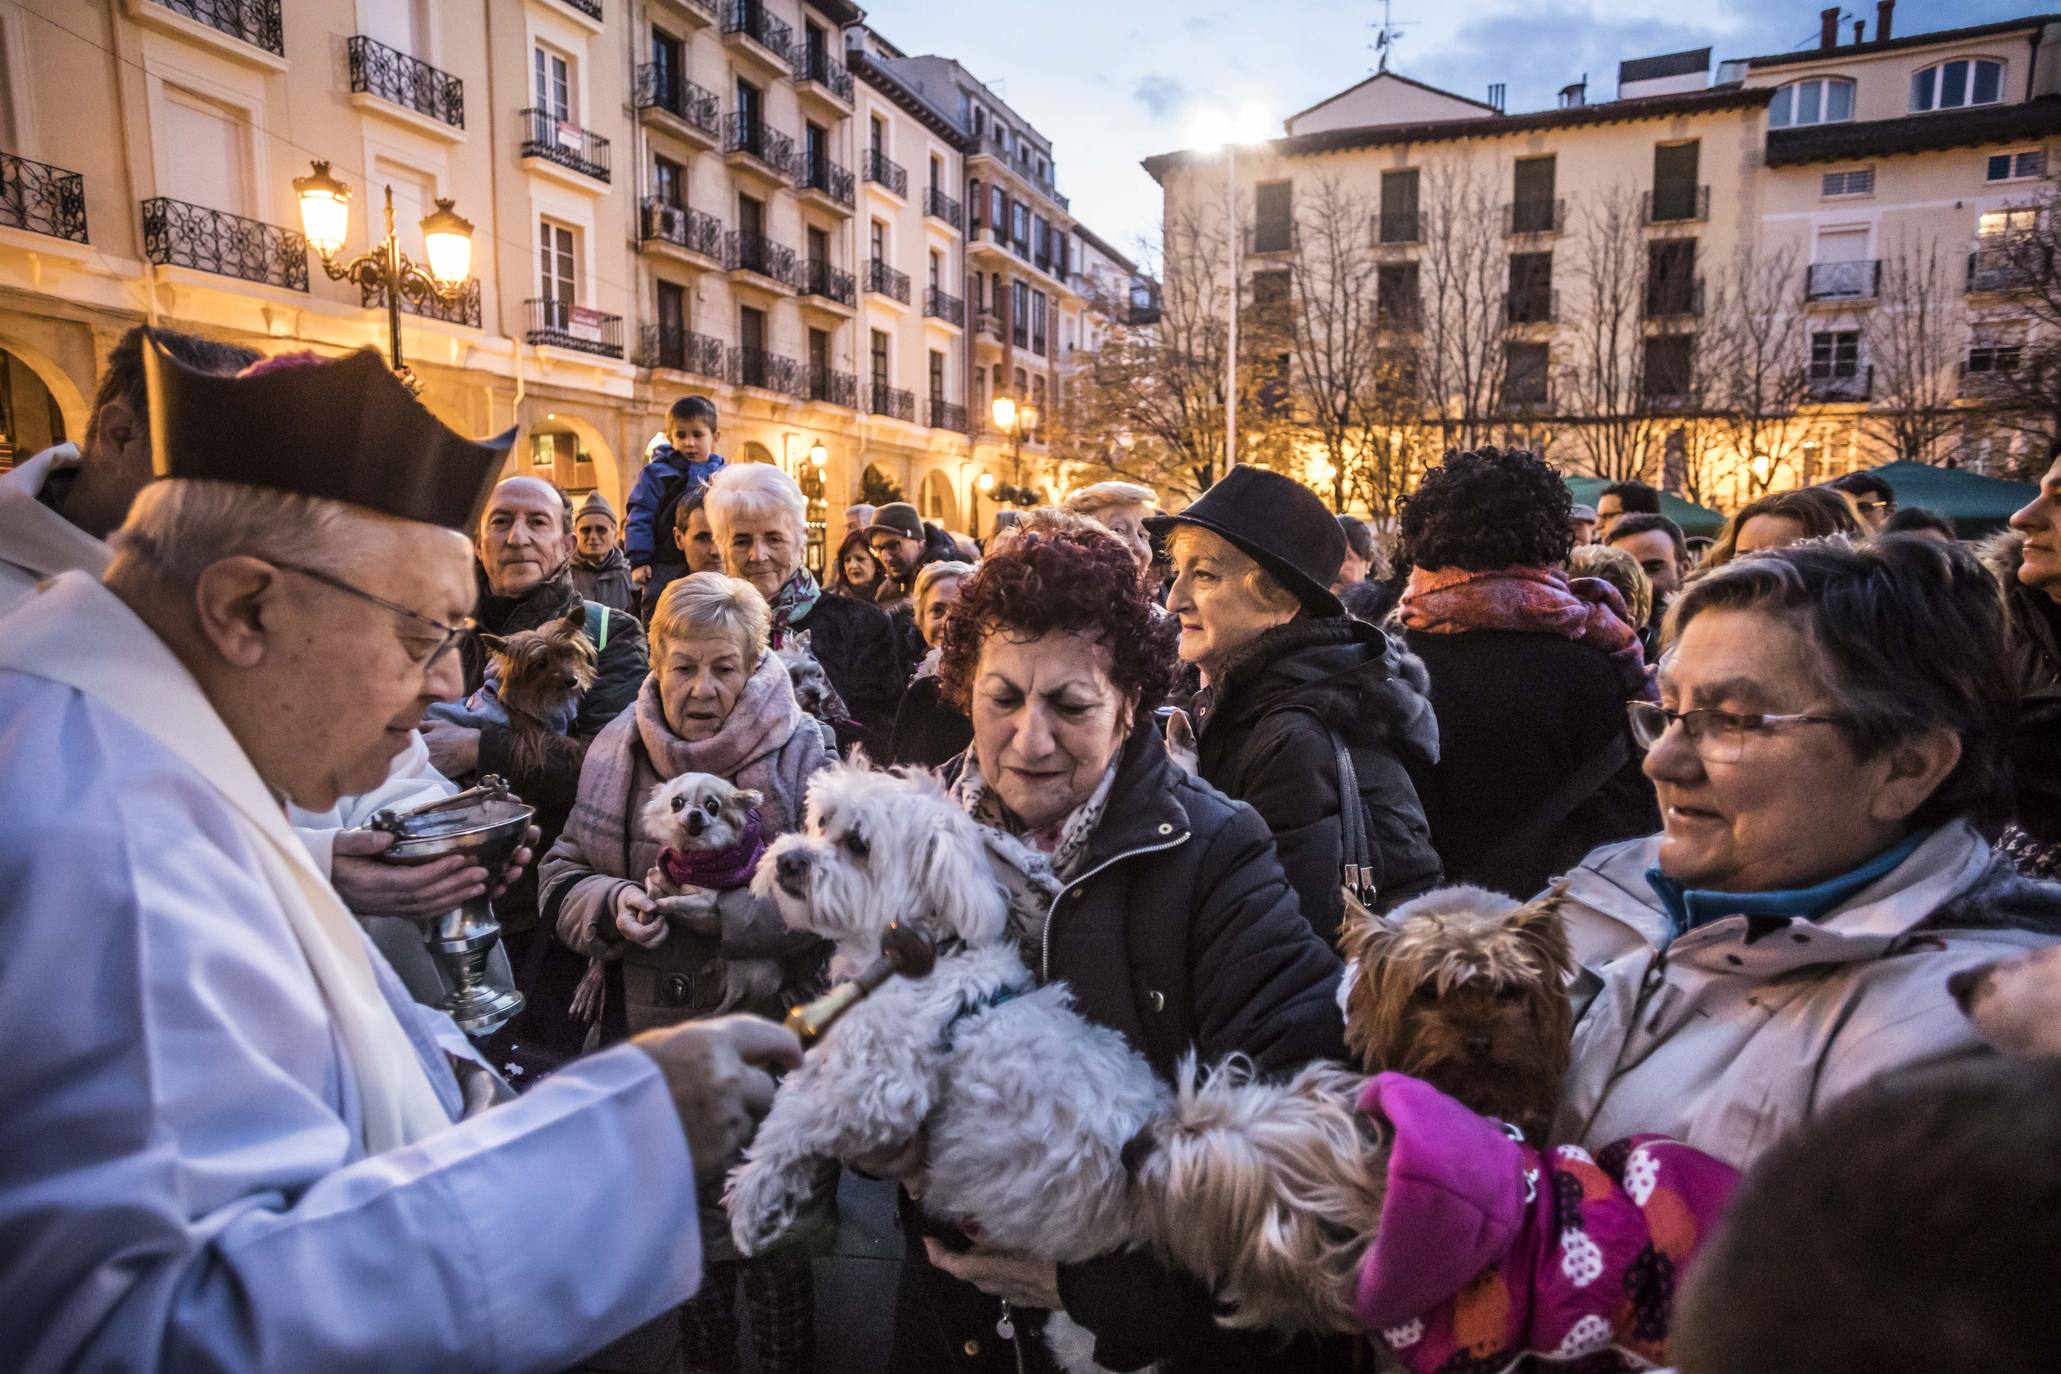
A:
(1359, 873)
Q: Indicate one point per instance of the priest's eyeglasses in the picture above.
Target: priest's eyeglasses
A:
(1716, 736)
(448, 636)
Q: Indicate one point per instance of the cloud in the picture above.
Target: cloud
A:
(1160, 95)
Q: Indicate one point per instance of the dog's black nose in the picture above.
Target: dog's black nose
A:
(1964, 985)
(1479, 1044)
(792, 866)
(696, 822)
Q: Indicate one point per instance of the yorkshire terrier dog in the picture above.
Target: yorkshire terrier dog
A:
(533, 685)
(711, 841)
(1465, 988)
(2015, 1003)
(1026, 1106)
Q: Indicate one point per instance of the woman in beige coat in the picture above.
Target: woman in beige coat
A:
(1832, 723)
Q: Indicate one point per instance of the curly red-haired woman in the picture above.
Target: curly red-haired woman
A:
(1166, 911)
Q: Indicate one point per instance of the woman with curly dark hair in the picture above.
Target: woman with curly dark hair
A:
(1530, 673)
(1166, 912)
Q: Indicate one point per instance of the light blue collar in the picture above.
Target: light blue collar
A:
(1688, 908)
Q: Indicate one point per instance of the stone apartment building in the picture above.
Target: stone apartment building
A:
(1851, 210)
(761, 201)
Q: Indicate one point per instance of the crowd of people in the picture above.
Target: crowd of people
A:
(1796, 797)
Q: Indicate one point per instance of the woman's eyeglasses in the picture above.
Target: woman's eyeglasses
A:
(448, 636)
(1716, 736)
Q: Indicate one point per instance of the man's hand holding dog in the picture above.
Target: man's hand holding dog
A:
(720, 1075)
(1017, 1279)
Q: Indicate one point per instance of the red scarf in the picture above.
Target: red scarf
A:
(1452, 601)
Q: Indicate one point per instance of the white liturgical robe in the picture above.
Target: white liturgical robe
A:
(185, 1179)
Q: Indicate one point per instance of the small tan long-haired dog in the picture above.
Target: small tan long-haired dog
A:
(1465, 989)
(533, 688)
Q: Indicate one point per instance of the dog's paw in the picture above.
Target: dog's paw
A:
(763, 1205)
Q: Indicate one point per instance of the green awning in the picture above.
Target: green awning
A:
(1977, 505)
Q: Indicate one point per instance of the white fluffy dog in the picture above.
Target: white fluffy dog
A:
(1027, 1106)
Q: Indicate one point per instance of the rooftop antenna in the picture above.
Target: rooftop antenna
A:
(1386, 36)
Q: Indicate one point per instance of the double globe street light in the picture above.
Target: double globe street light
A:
(446, 241)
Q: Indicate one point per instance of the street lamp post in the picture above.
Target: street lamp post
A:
(1229, 131)
(446, 240)
(982, 485)
(1013, 420)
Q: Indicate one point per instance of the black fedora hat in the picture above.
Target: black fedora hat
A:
(1279, 524)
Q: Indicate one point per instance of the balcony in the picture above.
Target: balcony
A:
(750, 145)
(1673, 297)
(176, 234)
(42, 199)
(562, 143)
(822, 75)
(255, 22)
(699, 12)
(561, 324)
(938, 205)
(679, 349)
(1274, 237)
(946, 415)
(1842, 281)
(1547, 215)
(1836, 383)
(1531, 305)
(991, 145)
(398, 79)
(749, 29)
(883, 280)
(677, 226)
(462, 308)
(673, 103)
(885, 172)
(755, 367)
(831, 387)
(758, 256)
(1398, 227)
(823, 181)
(1675, 204)
(940, 305)
(828, 282)
(894, 402)
(590, 8)
(2005, 265)
(987, 325)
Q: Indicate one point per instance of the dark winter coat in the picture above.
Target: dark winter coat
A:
(929, 731)
(856, 645)
(606, 583)
(2032, 644)
(1519, 713)
(1180, 933)
(1268, 731)
(666, 481)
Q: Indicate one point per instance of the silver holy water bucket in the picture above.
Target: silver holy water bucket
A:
(486, 825)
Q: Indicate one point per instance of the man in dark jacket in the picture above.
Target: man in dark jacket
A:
(524, 538)
(2027, 564)
(905, 546)
(599, 570)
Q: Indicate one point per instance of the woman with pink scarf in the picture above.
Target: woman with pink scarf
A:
(1530, 671)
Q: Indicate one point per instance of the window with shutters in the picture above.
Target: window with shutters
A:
(1532, 210)
(554, 79)
(1531, 288)
(558, 273)
(1397, 304)
(1273, 217)
(668, 66)
(2028, 165)
(1858, 181)
(879, 359)
(937, 375)
(668, 182)
(212, 166)
(1525, 373)
(1398, 222)
(1665, 375)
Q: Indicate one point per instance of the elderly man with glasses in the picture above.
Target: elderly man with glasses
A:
(232, 1142)
(1829, 738)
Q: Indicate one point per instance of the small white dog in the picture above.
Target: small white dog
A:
(1027, 1106)
(710, 841)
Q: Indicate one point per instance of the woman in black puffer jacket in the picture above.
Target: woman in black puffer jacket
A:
(1290, 681)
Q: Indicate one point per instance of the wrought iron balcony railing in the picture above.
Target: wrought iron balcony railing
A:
(885, 170)
(256, 22)
(941, 305)
(938, 205)
(562, 324)
(1842, 281)
(590, 8)
(1668, 297)
(1990, 371)
(42, 199)
(832, 387)
(883, 280)
(751, 19)
(823, 176)
(947, 415)
(1531, 305)
(1399, 226)
(1675, 204)
(753, 138)
(758, 254)
(462, 308)
(832, 283)
(897, 403)
(682, 350)
(818, 67)
(2009, 264)
(1836, 383)
(408, 82)
(565, 143)
(697, 231)
(176, 234)
(1542, 215)
(661, 87)
(766, 371)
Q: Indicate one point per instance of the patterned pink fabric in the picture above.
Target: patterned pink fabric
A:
(1489, 1250)
(1451, 601)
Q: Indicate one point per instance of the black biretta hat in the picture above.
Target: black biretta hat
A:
(1279, 524)
(345, 431)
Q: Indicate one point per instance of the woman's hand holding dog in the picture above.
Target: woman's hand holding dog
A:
(1016, 1279)
(636, 920)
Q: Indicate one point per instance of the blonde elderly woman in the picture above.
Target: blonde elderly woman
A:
(1122, 508)
(715, 702)
(929, 730)
(760, 519)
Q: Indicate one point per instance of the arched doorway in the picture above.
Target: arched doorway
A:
(754, 452)
(936, 500)
(571, 452)
(31, 417)
(879, 487)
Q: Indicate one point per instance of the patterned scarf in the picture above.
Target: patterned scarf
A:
(1063, 843)
(792, 602)
(1452, 601)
